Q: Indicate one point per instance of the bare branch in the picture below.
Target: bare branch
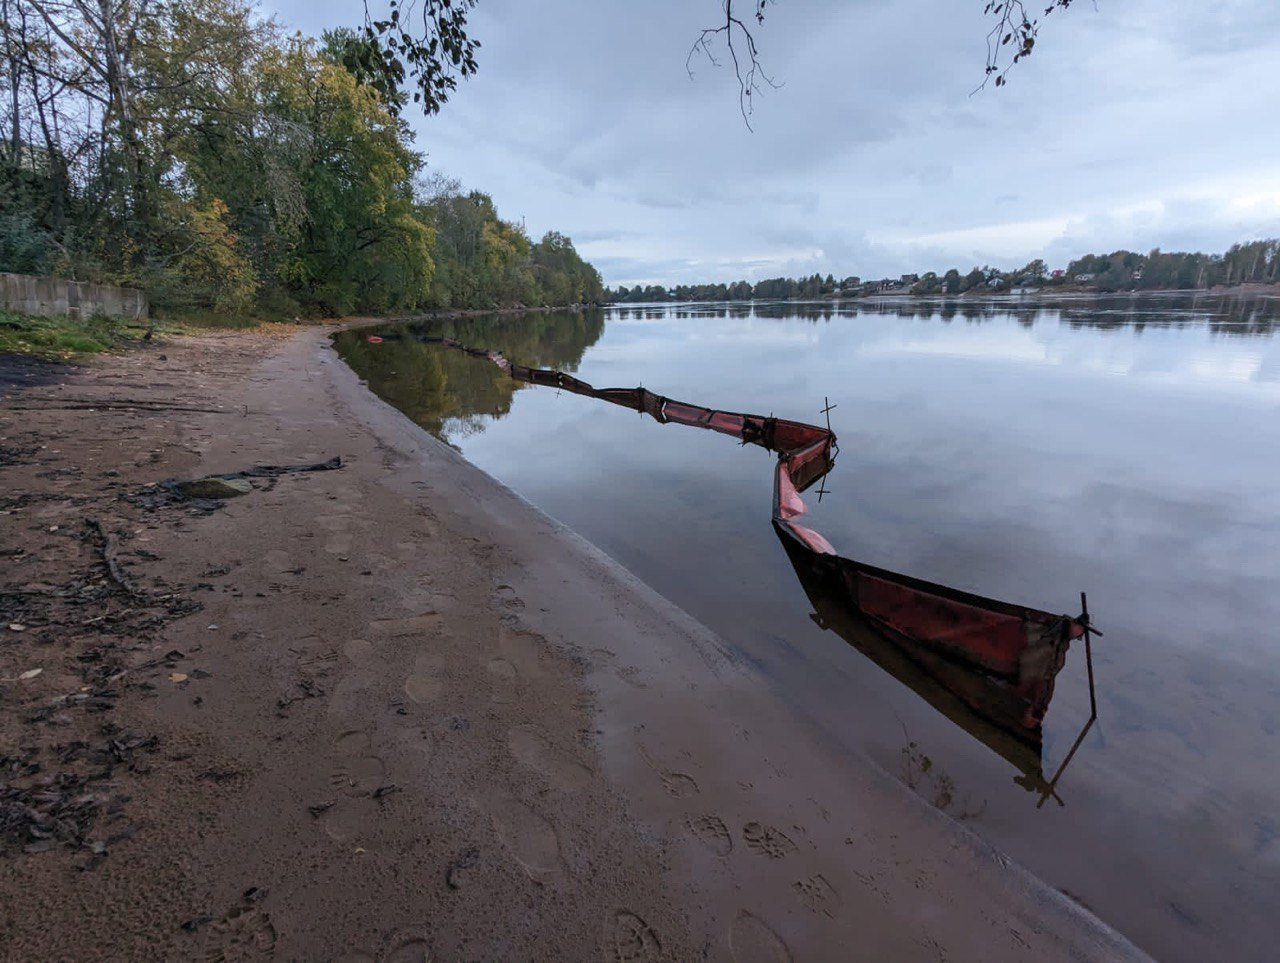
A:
(746, 69)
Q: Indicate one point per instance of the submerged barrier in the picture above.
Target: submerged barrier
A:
(987, 665)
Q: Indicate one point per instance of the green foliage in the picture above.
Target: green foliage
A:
(242, 171)
(430, 42)
(24, 247)
(486, 262)
(60, 337)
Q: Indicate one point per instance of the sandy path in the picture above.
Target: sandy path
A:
(414, 716)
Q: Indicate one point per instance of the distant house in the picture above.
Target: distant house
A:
(996, 283)
(1085, 277)
(1058, 274)
(909, 279)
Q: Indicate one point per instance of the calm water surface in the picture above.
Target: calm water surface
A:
(1130, 448)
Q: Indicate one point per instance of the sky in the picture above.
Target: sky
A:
(1135, 124)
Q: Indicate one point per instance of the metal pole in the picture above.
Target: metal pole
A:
(1088, 656)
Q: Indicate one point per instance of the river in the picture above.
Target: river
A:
(1022, 450)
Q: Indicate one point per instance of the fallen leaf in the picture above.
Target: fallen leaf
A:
(17, 627)
(30, 674)
(177, 677)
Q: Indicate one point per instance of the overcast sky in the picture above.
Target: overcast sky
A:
(1137, 124)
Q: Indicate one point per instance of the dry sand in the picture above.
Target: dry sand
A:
(412, 717)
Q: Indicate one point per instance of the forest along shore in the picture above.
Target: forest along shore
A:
(385, 709)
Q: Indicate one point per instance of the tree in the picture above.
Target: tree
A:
(191, 148)
(1034, 272)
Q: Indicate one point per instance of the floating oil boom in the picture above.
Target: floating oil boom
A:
(988, 666)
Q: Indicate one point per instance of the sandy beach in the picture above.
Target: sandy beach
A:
(391, 711)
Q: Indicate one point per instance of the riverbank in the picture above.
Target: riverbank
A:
(392, 709)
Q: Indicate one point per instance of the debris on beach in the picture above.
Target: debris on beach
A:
(206, 494)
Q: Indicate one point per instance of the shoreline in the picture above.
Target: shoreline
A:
(1037, 295)
(577, 768)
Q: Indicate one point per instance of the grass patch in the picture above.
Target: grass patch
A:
(62, 336)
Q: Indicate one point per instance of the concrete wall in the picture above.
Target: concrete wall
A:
(28, 294)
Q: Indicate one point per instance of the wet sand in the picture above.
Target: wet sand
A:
(412, 717)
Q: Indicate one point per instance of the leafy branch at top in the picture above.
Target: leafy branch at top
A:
(1013, 29)
(430, 37)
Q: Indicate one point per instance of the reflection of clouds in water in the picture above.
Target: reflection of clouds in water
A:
(1224, 368)
(1172, 357)
(1268, 366)
(977, 345)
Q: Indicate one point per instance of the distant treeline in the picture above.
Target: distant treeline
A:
(193, 149)
(1255, 262)
(779, 289)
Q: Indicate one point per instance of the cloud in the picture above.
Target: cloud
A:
(1135, 124)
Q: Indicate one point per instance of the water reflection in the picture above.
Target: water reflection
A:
(447, 393)
(1236, 315)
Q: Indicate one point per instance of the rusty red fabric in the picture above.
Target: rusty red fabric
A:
(993, 639)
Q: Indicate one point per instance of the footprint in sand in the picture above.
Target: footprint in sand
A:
(502, 669)
(338, 544)
(358, 650)
(276, 562)
(344, 820)
(767, 841)
(751, 941)
(629, 939)
(712, 832)
(631, 675)
(529, 837)
(245, 933)
(535, 751)
(426, 621)
(504, 675)
(817, 895)
(424, 684)
(507, 597)
(356, 771)
(678, 785)
(408, 946)
(522, 650)
(314, 657)
(333, 523)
